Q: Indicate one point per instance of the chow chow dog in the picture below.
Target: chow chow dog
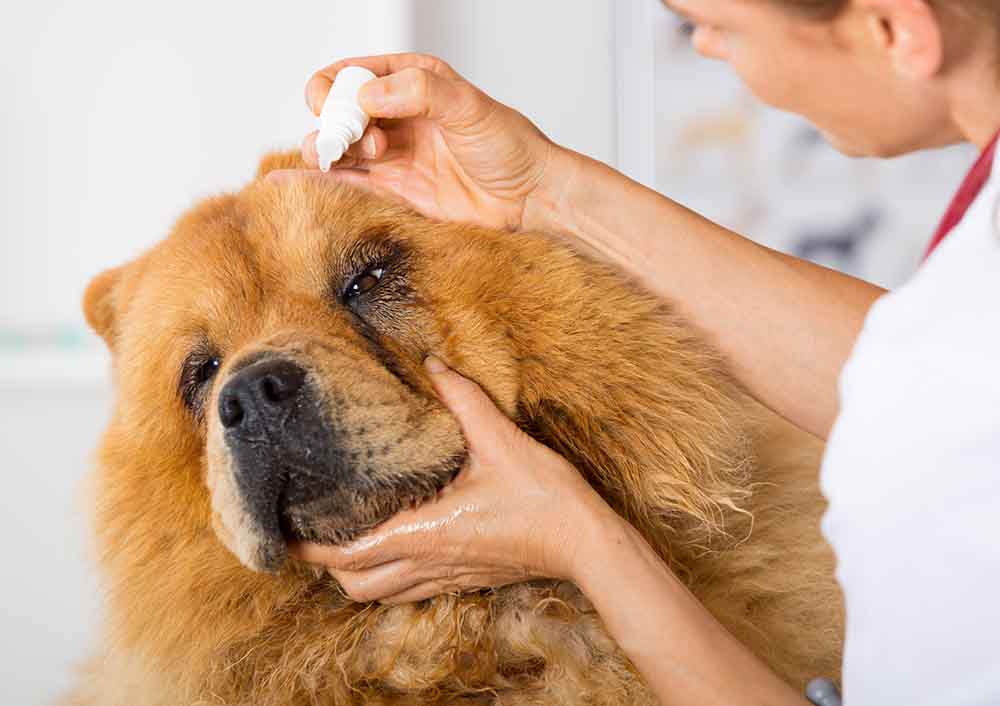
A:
(269, 387)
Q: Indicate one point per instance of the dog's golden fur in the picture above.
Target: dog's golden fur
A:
(583, 359)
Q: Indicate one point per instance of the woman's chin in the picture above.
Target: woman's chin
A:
(893, 146)
(852, 148)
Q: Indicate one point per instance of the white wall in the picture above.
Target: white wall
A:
(553, 60)
(115, 116)
(49, 604)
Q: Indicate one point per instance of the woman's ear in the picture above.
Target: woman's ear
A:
(99, 305)
(909, 32)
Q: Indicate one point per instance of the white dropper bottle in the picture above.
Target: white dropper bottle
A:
(341, 121)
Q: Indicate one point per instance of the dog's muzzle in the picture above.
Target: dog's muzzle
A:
(282, 447)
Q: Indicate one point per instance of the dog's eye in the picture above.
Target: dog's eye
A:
(199, 369)
(207, 370)
(364, 282)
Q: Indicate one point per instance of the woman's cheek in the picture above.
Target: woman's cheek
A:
(773, 76)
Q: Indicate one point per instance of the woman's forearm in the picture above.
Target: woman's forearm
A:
(682, 652)
(785, 325)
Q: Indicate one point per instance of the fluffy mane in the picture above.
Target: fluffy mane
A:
(609, 377)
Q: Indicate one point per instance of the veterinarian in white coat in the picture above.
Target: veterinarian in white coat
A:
(905, 386)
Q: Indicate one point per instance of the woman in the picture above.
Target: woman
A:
(912, 469)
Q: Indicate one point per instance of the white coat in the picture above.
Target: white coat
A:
(912, 475)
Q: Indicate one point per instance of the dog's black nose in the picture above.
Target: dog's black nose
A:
(260, 393)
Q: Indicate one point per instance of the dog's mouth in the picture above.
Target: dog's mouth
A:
(328, 512)
(348, 511)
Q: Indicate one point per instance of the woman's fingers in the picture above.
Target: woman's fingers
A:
(419, 592)
(356, 177)
(320, 554)
(405, 582)
(464, 583)
(379, 581)
(319, 84)
(369, 551)
(309, 153)
(403, 536)
(482, 423)
(373, 146)
(412, 93)
(370, 148)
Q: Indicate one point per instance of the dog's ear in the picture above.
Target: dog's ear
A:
(99, 304)
(290, 159)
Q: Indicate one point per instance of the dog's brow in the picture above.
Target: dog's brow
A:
(369, 250)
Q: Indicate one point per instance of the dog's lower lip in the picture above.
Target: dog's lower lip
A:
(284, 521)
(295, 528)
(287, 530)
(458, 463)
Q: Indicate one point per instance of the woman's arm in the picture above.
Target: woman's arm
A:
(785, 325)
(685, 655)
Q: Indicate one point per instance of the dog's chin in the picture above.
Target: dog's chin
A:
(348, 512)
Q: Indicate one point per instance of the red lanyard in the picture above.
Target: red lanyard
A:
(967, 193)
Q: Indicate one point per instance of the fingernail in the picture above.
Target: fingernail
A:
(434, 364)
(368, 147)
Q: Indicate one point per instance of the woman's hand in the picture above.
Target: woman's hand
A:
(516, 511)
(441, 144)
(519, 510)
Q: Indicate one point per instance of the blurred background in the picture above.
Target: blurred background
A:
(119, 115)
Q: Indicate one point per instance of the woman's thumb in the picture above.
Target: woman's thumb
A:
(475, 411)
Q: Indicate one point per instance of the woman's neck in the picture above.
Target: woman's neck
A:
(975, 97)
